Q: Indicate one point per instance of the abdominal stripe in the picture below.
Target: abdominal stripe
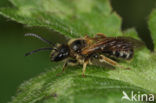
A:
(121, 54)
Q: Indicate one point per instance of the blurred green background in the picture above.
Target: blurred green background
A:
(15, 68)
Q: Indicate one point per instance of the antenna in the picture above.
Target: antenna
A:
(37, 50)
(37, 36)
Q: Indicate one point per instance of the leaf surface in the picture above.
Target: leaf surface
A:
(74, 18)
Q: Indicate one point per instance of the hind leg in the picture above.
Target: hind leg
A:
(109, 61)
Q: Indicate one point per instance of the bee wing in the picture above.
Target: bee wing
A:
(135, 43)
(111, 44)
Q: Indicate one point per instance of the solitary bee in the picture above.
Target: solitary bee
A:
(82, 51)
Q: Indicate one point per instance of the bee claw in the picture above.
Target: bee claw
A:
(83, 75)
(60, 73)
(128, 68)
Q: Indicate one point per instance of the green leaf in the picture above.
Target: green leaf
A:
(70, 17)
(75, 18)
(152, 25)
(72, 87)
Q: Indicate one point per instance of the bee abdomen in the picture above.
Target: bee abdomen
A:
(123, 54)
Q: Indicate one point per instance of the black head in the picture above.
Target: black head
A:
(61, 52)
(77, 45)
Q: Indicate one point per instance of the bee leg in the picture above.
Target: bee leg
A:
(63, 69)
(109, 61)
(100, 35)
(84, 67)
(68, 62)
(64, 66)
(71, 62)
(88, 39)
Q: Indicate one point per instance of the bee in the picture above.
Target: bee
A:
(82, 51)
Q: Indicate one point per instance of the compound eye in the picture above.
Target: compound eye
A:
(63, 49)
(77, 45)
(61, 53)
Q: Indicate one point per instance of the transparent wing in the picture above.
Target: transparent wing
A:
(110, 44)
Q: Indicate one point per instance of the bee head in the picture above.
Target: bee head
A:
(76, 45)
(60, 52)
